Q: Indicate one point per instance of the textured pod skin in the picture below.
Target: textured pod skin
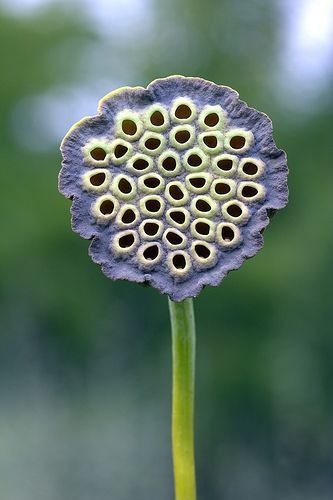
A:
(270, 179)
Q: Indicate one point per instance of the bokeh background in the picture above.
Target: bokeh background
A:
(85, 368)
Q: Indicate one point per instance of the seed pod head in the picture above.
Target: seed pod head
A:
(174, 184)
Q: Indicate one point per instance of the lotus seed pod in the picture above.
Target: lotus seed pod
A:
(174, 183)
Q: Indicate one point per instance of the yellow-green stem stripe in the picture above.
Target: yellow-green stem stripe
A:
(183, 370)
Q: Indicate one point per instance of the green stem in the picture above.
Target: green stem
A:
(183, 374)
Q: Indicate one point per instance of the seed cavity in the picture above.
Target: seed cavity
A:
(178, 217)
(203, 253)
(238, 140)
(211, 120)
(203, 206)
(169, 163)
(140, 164)
(183, 110)
(182, 136)
(225, 165)
(176, 193)
(250, 191)
(198, 183)
(98, 154)
(195, 160)
(97, 180)
(151, 183)
(211, 142)
(235, 211)
(152, 143)
(251, 168)
(121, 150)
(174, 239)
(156, 118)
(128, 216)
(179, 264)
(105, 208)
(222, 189)
(125, 242)
(203, 228)
(179, 261)
(212, 117)
(123, 187)
(151, 229)
(129, 125)
(228, 235)
(152, 205)
(149, 254)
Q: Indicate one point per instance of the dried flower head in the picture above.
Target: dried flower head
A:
(174, 183)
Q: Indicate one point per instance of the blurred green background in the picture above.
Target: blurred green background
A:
(85, 368)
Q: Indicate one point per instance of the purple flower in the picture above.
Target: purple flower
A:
(174, 184)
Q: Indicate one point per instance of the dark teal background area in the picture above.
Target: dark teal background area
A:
(85, 363)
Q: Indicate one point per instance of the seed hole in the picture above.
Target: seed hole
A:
(234, 210)
(177, 216)
(250, 168)
(98, 154)
(197, 182)
(153, 205)
(237, 142)
(227, 234)
(202, 228)
(107, 207)
(182, 136)
(210, 141)
(175, 192)
(151, 252)
(124, 186)
(129, 127)
(225, 164)
(174, 238)
(222, 188)
(140, 164)
(120, 150)
(183, 112)
(151, 228)
(179, 261)
(128, 216)
(211, 119)
(157, 119)
(169, 164)
(97, 179)
(202, 251)
(203, 206)
(152, 143)
(249, 191)
(126, 241)
(152, 182)
(194, 160)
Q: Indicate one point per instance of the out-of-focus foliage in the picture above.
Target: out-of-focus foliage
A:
(85, 362)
